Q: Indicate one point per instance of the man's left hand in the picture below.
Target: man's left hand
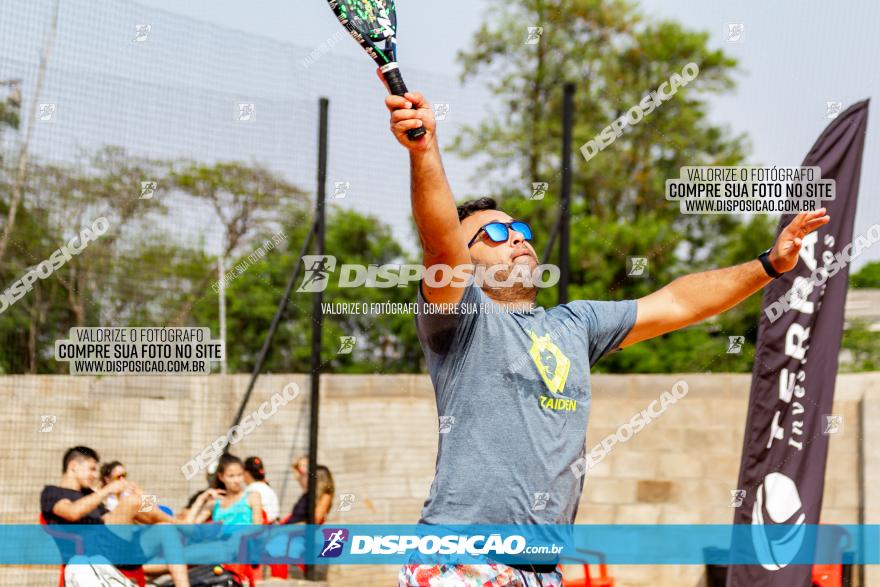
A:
(784, 255)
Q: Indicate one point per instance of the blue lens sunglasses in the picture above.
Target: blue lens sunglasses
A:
(499, 232)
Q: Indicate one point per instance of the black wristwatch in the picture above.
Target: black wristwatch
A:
(764, 258)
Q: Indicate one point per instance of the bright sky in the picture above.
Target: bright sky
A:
(795, 55)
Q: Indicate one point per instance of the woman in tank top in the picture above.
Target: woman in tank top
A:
(233, 504)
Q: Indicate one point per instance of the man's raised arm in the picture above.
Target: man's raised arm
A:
(695, 297)
(74, 511)
(433, 205)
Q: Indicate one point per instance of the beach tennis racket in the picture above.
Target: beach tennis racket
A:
(373, 24)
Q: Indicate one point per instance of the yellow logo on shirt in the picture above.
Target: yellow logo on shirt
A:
(552, 364)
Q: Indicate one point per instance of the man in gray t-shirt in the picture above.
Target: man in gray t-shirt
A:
(512, 380)
(513, 396)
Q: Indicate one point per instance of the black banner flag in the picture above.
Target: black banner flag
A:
(782, 474)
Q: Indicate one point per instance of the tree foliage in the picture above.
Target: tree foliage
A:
(10, 106)
(867, 276)
(615, 57)
(384, 343)
(153, 267)
(861, 345)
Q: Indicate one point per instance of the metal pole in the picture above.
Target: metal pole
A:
(273, 327)
(551, 241)
(221, 294)
(565, 204)
(317, 321)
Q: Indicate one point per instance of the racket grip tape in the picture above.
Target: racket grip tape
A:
(398, 88)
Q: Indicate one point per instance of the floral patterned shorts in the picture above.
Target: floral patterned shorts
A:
(490, 575)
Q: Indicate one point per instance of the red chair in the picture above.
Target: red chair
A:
(135, 575)
(828, 575)
(282, 571)
(243, 570)
(603, 580)
(832, 546)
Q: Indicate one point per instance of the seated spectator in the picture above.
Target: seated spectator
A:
(112, 471)
(115, 470)
(211, 479)
(292, 545)
(233, 506)
(323, 495)
(233, 503)
(74, 501)
(255, 477)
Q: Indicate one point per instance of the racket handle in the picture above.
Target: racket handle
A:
(398, 88)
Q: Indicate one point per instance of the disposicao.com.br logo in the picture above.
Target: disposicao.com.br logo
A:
(449, 544)
(334, 542)
(319, 268)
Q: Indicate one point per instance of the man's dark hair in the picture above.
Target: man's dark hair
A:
(473, 206)
(78, 453)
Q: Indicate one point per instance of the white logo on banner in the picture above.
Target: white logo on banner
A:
(777, 502)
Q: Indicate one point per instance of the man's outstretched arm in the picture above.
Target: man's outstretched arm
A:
(698, 296)
(74, 511)
(433, 205)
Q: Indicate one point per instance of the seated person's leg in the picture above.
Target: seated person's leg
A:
(125, 512)
(154, 516)
(129, 512)
(164, 541)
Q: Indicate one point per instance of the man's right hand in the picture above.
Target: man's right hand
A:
(409, 112)
(433, 205)
(115, 487)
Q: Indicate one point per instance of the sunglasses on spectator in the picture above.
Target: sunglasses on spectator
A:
(499, 232)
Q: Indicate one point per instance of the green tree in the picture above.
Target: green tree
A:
(245, 199)
(867, 276)
(153, 268)
(385, 343)
(149, 268)
(863, 347)
(615, 57)
(10, 107)
(62, 201)
(860, 342)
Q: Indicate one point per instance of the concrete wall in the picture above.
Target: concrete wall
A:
(378, 436)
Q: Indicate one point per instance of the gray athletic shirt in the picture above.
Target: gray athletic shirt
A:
(513, 396)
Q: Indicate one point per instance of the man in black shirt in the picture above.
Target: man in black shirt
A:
(73, 501)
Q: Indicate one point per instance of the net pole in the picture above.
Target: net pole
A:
(317, 322)
(565, 204)
(221, 300)
(273, 327)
